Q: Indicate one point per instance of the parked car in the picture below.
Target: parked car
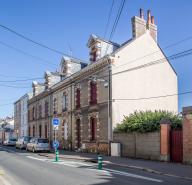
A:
(38, 144)
(10, 142)
(22, 142)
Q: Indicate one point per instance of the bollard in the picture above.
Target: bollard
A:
(56, 155)
(100, 162)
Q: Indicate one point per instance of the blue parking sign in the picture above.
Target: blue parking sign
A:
(55, 121)
(56, 144)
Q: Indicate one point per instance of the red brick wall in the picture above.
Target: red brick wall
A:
(187, 135)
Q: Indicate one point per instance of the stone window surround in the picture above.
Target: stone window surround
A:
(94, 115)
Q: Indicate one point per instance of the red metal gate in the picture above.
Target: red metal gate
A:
(176, 146)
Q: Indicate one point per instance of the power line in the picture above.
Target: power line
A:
(16, 87)
(35, 42)
(153, 97)
(108, 20)
(25, 53)
(169, 46)
(30, 79)
(2, 105)
(116, 22)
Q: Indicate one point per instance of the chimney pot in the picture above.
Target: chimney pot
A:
(152, 20)
(141, 13)
(148, 16)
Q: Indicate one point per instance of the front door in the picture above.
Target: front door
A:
(78, 133)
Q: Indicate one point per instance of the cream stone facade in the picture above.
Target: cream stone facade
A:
(91, 99)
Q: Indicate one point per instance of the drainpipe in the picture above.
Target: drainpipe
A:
(71, 118)
(110, 134)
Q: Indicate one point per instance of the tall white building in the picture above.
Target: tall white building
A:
(22, 113)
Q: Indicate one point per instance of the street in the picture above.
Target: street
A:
(18, 167)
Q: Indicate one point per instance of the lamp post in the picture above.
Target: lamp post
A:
(107, 84)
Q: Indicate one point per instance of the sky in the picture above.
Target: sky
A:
(66, 25)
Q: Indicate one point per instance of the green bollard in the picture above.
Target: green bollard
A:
(100, 162)
(56, 155)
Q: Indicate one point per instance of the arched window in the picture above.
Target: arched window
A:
(78, 98)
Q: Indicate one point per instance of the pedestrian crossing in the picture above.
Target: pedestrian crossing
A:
(93, 167)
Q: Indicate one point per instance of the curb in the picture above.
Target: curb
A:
(93, 160)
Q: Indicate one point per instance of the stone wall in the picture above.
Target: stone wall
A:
(137, 145)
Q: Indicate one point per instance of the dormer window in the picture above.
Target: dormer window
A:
(94, 55)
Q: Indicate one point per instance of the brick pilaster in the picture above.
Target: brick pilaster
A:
(165, 140)
(187, 135)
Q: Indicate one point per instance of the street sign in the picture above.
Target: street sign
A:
(56, 144)
(55, 127)
(55, 121)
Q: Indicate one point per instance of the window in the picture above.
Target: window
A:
(78, 132)
(93, 92)
(40, 111)
(55, 106)
(45, 131)
(93, 129)
(40, 131)
(29, 132)
(33, 131)
(33, 113)
(94, 56)
(65, 102)
(78, 100)
(46, 109)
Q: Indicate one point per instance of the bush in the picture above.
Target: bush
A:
(147, 121)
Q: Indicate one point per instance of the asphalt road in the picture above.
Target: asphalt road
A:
(18, 167)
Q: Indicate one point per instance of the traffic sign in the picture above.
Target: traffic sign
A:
(55, 127)
(56, 144)
(55, 121)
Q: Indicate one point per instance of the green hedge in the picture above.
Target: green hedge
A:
(147, 121)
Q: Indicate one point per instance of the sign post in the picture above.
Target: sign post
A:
(55, 124)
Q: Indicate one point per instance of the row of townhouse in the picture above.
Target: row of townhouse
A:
(91, 99)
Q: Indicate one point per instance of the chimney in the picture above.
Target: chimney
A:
(148, 18)
(138, 25)
(141, 13)
(151, 25)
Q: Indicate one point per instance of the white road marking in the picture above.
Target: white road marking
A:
(132, 175)
(106, 171)
(4, 181)
(39, 159)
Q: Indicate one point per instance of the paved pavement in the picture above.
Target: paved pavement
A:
(24, 168)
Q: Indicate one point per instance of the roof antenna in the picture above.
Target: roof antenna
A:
(70, 50)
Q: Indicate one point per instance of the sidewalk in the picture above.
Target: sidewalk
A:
(170, 169)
